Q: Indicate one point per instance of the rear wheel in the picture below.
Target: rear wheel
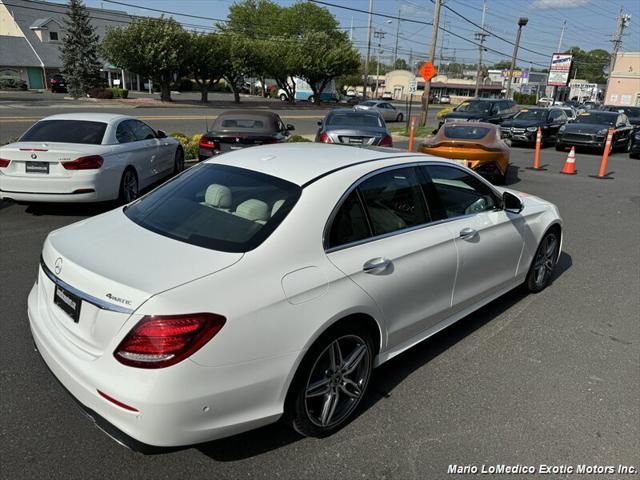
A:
(627, 148)
(178, 161)
(128, 186)
(312, 99)
(330, 382)
(541, 270)
(400, 117)
(283, 97)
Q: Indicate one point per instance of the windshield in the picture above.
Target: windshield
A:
(66, 131)
(531, 114)
(217, 206)
(597, 118)
(353, 120)
(474, 107)
(464, 132)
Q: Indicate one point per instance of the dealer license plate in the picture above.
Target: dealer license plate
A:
(37, 167)
(68, 302)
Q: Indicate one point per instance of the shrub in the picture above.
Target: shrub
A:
(297, 139)
(119, 92)
(99, 92)
(523, 99)
(189, 145)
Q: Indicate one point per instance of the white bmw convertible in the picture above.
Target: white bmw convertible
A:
(86, 157)
(271, 282)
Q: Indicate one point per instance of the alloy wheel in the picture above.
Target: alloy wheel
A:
(337, 381)
(545, 260)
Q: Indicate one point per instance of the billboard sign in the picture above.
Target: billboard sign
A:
(560, 68)
(514, 73)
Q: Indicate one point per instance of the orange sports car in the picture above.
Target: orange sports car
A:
(478, 144)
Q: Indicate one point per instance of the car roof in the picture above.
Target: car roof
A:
(89, 117)
(301, 163)
(247, 113)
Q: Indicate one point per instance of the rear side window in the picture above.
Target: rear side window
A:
(217, 206)
(66, 131)
(393, 200)
(124, 134)
(349, 224)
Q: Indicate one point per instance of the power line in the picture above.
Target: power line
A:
(376, 14)
(200, 17)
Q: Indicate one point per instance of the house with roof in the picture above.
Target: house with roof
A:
(31, 33)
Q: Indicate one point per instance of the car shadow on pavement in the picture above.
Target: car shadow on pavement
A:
(384, 379)
(512, 176)
(69, 209)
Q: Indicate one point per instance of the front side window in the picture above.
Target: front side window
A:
(218, 207)
(459, 192)
(393, 200)
(141, 130)
(349, 224)
(66, 131)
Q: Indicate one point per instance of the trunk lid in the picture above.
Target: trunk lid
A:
(112, 266)
(38, 159)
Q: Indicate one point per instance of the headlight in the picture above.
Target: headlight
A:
(562, 128)
(532, 129)
(602, 131)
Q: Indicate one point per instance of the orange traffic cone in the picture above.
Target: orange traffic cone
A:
(569, 167)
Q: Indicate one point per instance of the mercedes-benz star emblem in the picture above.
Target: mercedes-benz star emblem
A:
(34, 156)
(58, 266)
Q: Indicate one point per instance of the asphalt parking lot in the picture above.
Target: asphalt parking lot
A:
(552, 378)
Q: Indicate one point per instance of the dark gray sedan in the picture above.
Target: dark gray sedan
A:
(354, 127)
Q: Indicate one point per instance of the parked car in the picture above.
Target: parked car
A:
(236, 129)
(478, 145)
(350, 100)
(86, 157)
(304, 92)
(635, 146)
(523, 127)
(443, 111)
(268, 284)
(354, 127)
(58, 83)
(590, 130)
(570, 112)
(632, 113)
(444, 99)
(387, 96)
(482, 110)
(545, 101)
(385, 109)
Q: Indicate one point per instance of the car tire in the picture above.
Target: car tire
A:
(283, 97)
(178, 161)
(323, 396)
(312, 99)
(559, 147)
(129, 189)
(627, 148)
(544, 261)
(400, 117)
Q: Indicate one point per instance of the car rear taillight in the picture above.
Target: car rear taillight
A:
(164, 340)
(206, 143)
(386, 142)
(84, 163)
(324, 138)
(4, 163)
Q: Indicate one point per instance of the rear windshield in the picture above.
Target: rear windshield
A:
(242, 123)
(217, 206)
(353, 120)
(464, 132)
(66, 131)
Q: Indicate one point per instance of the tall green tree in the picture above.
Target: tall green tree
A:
(207, 60)
(80, 62)
(152, 47)
(589, 65)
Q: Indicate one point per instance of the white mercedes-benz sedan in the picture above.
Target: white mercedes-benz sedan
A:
(86, 157)
(271, 282)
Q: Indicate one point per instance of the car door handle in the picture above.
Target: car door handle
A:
(467, 233)
(376, 265)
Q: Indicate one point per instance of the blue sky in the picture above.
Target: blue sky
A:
(590, 24)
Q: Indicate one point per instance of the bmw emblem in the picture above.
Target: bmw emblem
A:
(34, 156)
(58, 266)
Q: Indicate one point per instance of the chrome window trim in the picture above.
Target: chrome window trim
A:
(373, 238)
(101, 304)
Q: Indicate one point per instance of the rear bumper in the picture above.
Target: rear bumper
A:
(179, 405)
(78, 188)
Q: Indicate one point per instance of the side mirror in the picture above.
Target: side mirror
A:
(161, 134)
(290, 127)
(511, 203)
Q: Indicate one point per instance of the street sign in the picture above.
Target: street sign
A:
(413, 87)
(428, 71)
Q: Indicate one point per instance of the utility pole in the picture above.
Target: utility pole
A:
(379, 34)
(623, 20)
(522, 21)
(366, 60)
(395, 52)
(432, 54)
(480, 36)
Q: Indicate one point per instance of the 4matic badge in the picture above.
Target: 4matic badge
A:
(124, 301)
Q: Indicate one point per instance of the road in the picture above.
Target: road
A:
(18, 111)
(552, 378)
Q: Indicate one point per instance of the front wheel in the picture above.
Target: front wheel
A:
(539, 276)
(178, 161)
(627, 148)
(330, 382)
(312, 99)
(400, 117)
(283, 97)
